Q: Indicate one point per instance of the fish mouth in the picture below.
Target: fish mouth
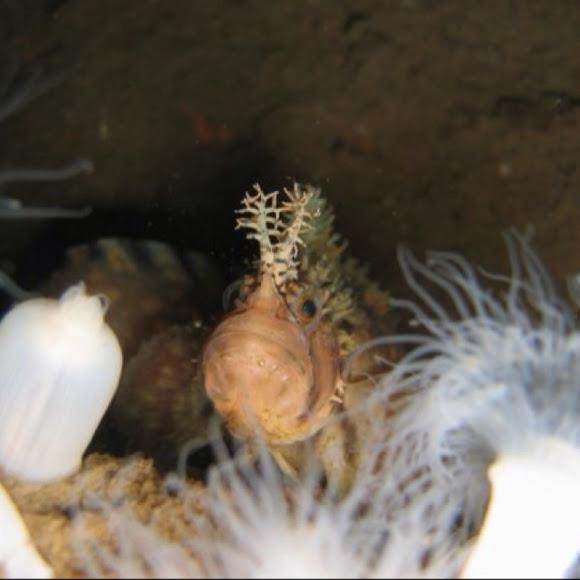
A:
(248, 370)
(245, 342)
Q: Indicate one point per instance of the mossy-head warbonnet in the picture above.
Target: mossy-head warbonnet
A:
(273, 366)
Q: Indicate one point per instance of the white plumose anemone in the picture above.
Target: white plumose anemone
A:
(251, 522)
(60, 365)
(267, 531)
(401, 517)
(497, 393)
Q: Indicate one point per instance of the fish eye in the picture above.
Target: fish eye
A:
(309, 308)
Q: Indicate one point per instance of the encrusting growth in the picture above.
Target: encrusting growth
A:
(278, 230)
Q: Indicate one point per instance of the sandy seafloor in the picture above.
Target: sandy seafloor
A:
(433, 124)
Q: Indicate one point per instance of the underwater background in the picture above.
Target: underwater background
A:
(436, 124)
(433, 125)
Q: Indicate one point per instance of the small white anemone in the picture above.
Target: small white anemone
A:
(497, 393)
(18, 556)
(60, 365)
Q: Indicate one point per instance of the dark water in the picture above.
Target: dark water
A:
(435, 124)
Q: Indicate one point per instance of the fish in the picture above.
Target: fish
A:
(276, 367)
